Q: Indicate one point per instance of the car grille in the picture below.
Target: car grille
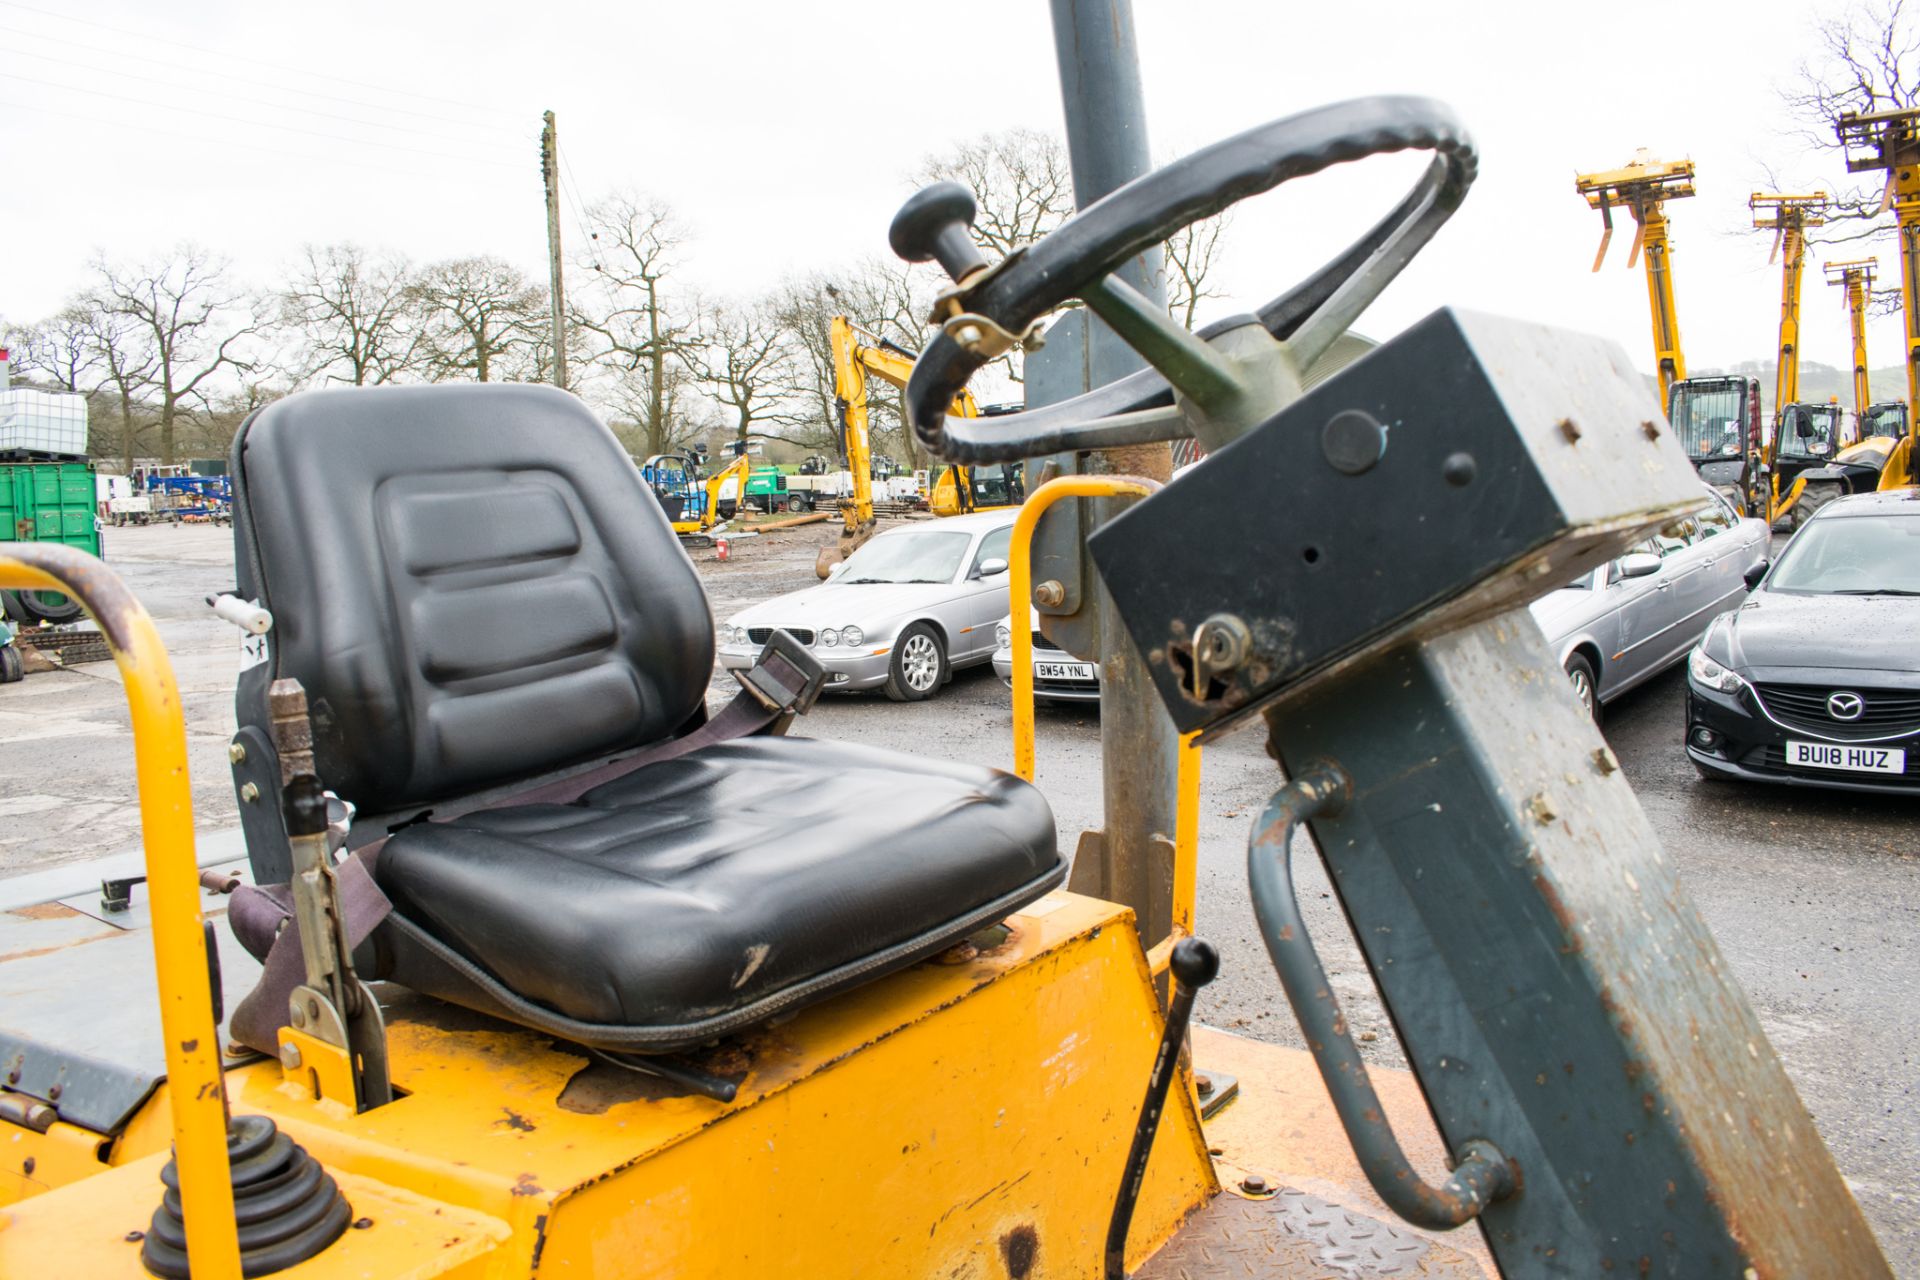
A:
(1773, 759)
(1041, 642)
(760, 635)
(1888, 712)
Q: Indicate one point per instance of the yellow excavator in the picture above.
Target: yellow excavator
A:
(951, 490)
(694, 504)
(546, 971)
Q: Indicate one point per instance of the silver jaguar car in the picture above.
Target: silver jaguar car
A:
(1058, 676)
(899, 614)
(1637, 615)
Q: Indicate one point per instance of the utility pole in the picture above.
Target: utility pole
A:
(1857, 279)
(550, 175)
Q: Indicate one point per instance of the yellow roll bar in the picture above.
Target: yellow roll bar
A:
(195, 1086)
(1186, 819)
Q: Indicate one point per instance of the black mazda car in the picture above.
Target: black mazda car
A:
(1815, 680)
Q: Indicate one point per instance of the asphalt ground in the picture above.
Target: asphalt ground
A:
(1813, 897)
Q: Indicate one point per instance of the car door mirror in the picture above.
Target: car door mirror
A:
(1756, 572)
(1639, 564)
(988, 568)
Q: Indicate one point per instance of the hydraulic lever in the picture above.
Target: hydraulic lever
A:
(1194, 964)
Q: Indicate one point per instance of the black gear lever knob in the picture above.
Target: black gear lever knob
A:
(1194, 962)
(932, 226)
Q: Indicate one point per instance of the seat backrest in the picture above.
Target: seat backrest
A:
(472, 582)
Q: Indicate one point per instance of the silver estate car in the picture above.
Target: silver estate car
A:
(898, 614)
(1635, 616)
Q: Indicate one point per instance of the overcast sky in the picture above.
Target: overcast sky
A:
(783, 131)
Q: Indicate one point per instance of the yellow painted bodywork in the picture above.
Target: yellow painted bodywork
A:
(912, 1127)
(1643, 188)
(1856, 279)
(1788, 217)
(32, 1163)
(84, 1232)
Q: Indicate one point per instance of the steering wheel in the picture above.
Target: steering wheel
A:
(991, 307)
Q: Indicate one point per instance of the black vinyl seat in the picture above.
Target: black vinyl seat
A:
(477, 590)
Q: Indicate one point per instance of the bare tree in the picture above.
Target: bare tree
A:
(748, 362)
(126, 361)
(1192, 256)
(1865, 58)
(638, 334)
(879, 298)
(192, 320)
(60, 349)
(354, 316)
(1020, 179)
(480, 318)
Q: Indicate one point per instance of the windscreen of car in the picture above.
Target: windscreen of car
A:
(922, 556)
(1852, 555)
(1709, 420)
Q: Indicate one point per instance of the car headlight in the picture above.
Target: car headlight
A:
(828, 637)
(727, 633)
(1002, 636)
(852, 635)
(1710, 674)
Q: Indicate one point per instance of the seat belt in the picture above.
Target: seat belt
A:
(784, 682)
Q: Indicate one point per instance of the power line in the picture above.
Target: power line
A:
(259, 102)
(248, 80)
(258, 124)
(175, 134)
(148, 38)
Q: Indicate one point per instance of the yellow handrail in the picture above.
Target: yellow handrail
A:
(1186, 821)
(195, 1086)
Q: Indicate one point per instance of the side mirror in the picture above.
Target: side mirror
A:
(990, 567)
(1639, 564)
(1758, 571)
(837, 568)
(1803, 428)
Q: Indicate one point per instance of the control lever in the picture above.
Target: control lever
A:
(932, 226)
(244, 614)
(1194, 964)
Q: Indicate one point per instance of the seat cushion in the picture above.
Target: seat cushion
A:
(734, 878)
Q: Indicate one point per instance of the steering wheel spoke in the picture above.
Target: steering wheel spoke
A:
(1195, 369)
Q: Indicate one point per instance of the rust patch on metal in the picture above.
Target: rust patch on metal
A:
(45, 911)
(1560, 913)
(1020, 1247)
(526, 1186)
(514, 1120)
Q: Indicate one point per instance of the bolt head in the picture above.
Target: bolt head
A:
(290, 1056)
(1254, 1185)
(968, 336)
(236, 753)
(250, 792)
(1050, 594)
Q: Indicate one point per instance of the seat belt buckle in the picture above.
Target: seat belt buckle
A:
(785, 677)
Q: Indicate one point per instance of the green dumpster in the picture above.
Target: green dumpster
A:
(47, 502)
